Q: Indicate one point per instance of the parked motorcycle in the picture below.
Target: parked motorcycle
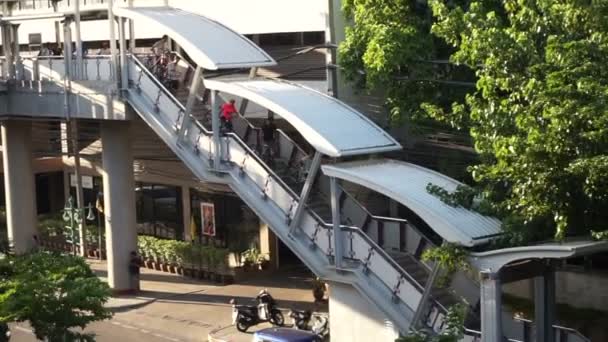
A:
(5, 332)
(245, 316)
(302, 321)
(300, 318)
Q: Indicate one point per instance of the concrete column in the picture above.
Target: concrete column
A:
(355, 319)
(119, 202)
(269, 245)
(186, 212)
(491, 302)
(19, 184)
(544, 306)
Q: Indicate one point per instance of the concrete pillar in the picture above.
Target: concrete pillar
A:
(16, 53)
(19, 184)
(491, 303)
(544, 306)
(338, 238)
(186, 212)
(355, 319)
(269, 245)
(119, 202)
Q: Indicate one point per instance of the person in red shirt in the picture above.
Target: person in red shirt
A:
(228, 110)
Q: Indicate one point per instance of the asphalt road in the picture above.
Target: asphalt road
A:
(109, 331)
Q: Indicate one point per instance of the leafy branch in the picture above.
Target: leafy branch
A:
(450, 257)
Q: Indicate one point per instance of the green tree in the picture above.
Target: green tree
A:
(389, 47)
(54, 292)
(452, 332)
(539, 115)
(538, 111)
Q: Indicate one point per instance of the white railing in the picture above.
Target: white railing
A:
(371, 259)
(52, 68)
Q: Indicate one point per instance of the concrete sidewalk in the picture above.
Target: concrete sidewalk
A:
(191, 310)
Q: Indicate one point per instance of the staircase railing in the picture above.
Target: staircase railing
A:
(52, 68)
(243, 161)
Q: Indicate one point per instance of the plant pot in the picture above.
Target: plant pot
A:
(180, 270)
(164, 267)
(156, 265)
(149, 264)
(172, 269)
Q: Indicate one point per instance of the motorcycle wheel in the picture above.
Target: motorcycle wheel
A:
(276, 318)
(241, 324)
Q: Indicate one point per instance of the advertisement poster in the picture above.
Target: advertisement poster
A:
(208, 218)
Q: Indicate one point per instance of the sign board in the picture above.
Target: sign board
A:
(208, 218)
(87, 181)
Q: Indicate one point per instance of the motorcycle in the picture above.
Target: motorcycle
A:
(245, 316)
(300, 318)
(5, 332)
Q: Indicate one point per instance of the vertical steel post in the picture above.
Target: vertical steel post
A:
(491, 303)
(306, 189)
(215, 126)
(124, 77)
(544, 306)
(67, 55)
(5, 43)
(16, 54)
(330, 59)
(422, 305)
(335, 217)
(79, 63)
(113, 49)
(196, 81)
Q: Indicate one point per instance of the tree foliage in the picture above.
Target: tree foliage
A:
(538, 114)
(390, 47)
(54, 292)
(453, 330)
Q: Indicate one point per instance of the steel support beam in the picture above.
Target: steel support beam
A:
(426, 294)
(131, 30)
(491, 303)
(186, 120)
(215, 126)
(544, 306)
(124, 75)
(306, 189)
(252, 74)
(335, 218)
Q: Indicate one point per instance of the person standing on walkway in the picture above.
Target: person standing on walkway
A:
(227, 111)
(269, 133)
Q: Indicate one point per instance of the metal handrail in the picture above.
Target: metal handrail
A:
(273, 175)
(555, 327)
(209, 133)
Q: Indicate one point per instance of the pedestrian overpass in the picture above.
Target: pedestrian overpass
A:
(113, 88)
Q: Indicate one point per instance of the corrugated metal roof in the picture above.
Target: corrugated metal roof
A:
(210, 44)
(496, 259)
(406, 183)
(329, 125)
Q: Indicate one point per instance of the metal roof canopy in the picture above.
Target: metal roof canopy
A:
(210, 44)
(496, 259)
(330, 126)
(406, 183)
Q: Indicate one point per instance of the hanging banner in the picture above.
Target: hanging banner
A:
(208, 218)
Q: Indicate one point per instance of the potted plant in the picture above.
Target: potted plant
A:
(250, 258)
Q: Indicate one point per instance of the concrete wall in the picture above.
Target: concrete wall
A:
(353, 318)
(577, 289)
